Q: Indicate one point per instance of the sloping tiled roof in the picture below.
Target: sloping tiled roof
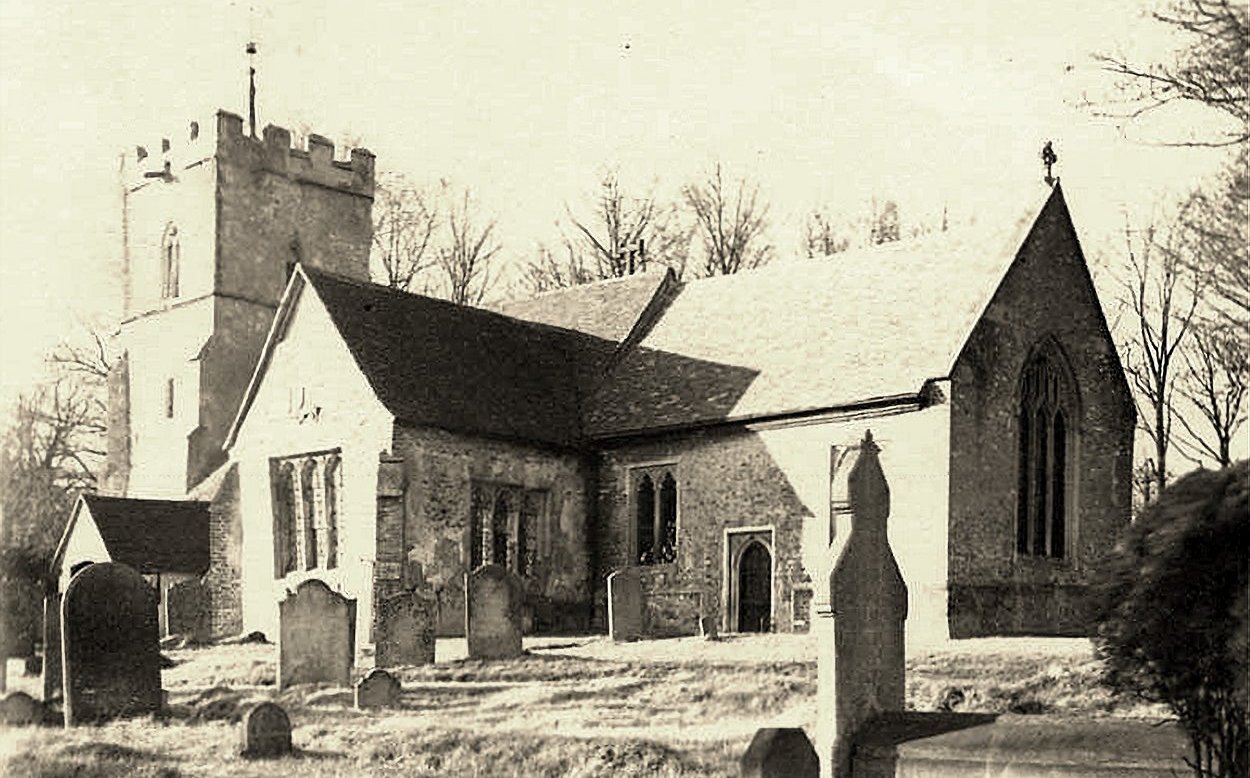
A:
(806, 335)
(461, 368)
(605, 309)
(153, 536)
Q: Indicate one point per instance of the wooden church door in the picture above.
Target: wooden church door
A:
(755, 589)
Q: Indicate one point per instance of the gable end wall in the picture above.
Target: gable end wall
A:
(1047, 292)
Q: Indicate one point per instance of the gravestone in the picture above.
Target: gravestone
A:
(405, 629)
(707, 628)
(780, 753)
(492, 621)
(265, 731)
(187, 606)
(19, 709)
(109, 645)
(316, 636)
(52, 671)
(625, 604)
(378, 689)
(860, 639)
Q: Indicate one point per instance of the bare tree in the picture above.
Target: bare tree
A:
(1210, 70)
(622, 235)
(1162, 308)
(1217, 372)
(1216, 226)
(823, 236)
(731, 220)
(405, 218)
(466, 253)
(556, 269)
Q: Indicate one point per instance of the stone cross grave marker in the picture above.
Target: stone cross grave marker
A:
(492, 620)
(405, 629)
(316, 636)
(378, 689)
(110, 649)
(861, 655)
(625, 604)
(265, 731)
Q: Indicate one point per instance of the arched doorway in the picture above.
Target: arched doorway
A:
(755, 589)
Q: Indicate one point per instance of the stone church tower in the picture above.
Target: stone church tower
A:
(212, 225)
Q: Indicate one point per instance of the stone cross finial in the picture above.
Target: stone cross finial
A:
(1049, 158)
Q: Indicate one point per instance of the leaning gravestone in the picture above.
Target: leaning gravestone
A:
(378, 689)
(109, 645)
(492, 620)
(625, 604)
(405, 630)
(316, 636)
(265, 731)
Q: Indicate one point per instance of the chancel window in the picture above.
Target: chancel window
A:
(171, 258)
(505, 524)
(1046, 422)
(655, 515)
(306, 494)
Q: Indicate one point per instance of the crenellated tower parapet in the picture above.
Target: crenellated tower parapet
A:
(317, 164)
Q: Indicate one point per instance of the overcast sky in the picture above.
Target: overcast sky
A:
(928, 103)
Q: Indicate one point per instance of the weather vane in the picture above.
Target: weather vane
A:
(1049, 158)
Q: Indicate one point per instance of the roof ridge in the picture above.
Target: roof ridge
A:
(596, 284)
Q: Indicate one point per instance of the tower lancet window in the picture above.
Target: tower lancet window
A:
(171, 258)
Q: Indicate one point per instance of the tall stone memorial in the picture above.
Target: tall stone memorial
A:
(110, 649)
(405, 629)
(861, 656)
(492, 613)
(316, 636)
(625, 604)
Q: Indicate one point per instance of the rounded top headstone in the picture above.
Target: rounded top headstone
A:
(266, 731)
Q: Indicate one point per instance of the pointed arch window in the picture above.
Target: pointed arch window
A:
(506, 525)
(171, 258)
(1047, 410)
(655, 515)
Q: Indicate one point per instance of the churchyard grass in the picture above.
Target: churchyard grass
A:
(576, 707)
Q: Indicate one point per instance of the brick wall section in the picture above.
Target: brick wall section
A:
(726, 478)
(440, 468)
(225, 539)
(1047, 293)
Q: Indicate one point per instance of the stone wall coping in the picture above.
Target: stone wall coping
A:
(1088, 746)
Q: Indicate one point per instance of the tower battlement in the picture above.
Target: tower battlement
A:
(165, 160)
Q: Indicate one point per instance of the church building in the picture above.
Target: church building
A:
(697, 429)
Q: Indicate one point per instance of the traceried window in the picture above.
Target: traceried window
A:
(655, 515)
(306, 497)
(505, 526)
(1046, 421)
(171, 258)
